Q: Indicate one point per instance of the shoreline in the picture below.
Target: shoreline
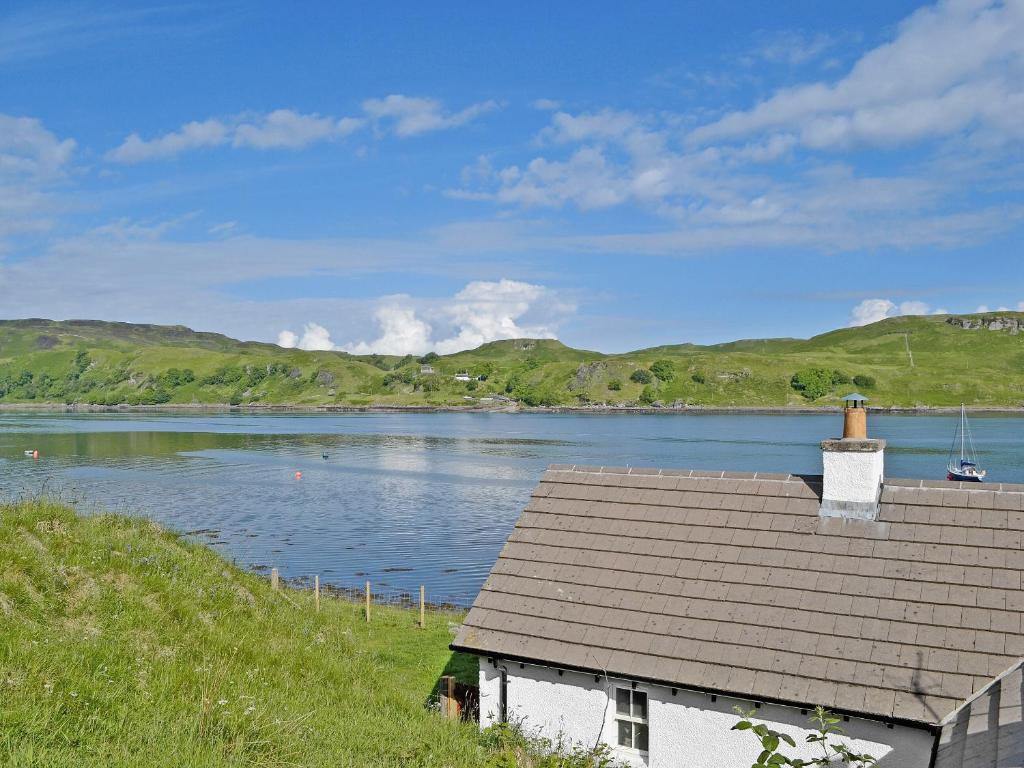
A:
(692, 410)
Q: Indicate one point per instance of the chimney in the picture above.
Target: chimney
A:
(854, 467)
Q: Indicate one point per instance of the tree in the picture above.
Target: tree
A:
(615, 385)
(813, 383)
(864, 382)
(429, 357)
(826, 729)
(641, 376)
(648, 395)
(664, 369)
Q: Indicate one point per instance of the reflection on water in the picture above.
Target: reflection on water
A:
(408, 499)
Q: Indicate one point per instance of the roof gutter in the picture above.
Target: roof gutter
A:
(932, 728)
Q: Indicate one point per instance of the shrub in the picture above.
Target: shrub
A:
(826, 729)
(615, 385)
(813, 383)
(864, 382)
(641, 376)
(664, 369)
(648, 395)
(698, 378)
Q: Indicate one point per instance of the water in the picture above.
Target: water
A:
(410, 499)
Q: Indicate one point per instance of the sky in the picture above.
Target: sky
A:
(399, 177)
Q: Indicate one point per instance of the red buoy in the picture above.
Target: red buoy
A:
(298, 475)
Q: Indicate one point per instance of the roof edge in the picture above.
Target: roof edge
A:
(922, 725)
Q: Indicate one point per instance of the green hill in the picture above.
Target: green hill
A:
(122, 645)
(905, 362)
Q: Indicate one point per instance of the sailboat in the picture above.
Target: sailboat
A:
(966, 469)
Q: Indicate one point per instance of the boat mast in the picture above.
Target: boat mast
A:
(963, 416)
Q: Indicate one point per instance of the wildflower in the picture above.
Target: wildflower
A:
(222, 702)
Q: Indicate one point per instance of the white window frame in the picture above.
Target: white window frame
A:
(631, 718)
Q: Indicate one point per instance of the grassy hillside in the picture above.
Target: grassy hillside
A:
(123, 646)
(905, 361)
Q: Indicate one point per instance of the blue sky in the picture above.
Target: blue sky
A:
(404, 177)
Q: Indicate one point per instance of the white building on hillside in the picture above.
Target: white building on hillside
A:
(637, 607)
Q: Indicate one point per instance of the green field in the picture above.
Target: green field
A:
(904, 362)
(122, 646)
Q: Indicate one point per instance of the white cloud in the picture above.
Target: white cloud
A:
(315, 338)
(792, 47)
(194, 135)
(487, 311)
(952, 67)
(401, 331)
(546, 105)
(29, 150)
(280, 129)
(291, 130)
(32, 162)
(914, 308)
(481, 312)
(871, 311)
(288, 129)
(413, 115)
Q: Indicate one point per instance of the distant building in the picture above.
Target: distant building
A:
(427, 370)
(637, 607)
(463, 377)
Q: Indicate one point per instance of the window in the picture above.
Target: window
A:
(631, 718)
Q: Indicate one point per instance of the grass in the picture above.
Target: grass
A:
(914, 362)
(123, 645)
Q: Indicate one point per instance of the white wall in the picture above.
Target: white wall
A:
(687, 729)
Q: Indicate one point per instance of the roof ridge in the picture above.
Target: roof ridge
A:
(717, 474)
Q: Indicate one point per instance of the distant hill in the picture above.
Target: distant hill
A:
(903, 361)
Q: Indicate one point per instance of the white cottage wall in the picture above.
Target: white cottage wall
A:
(687, 729)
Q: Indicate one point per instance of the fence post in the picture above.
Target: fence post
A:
(449, 704)
(274, 578)
(316, 592)
(367, 601)
(423, 618)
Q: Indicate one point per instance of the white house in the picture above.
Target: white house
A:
(463, 377)
(637, 607)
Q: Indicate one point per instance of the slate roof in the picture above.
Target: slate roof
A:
(731, 582)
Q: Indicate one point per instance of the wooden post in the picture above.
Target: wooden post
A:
(274, 578)
(449, 704)
(367, 601)
(316, 592)
(423, 618)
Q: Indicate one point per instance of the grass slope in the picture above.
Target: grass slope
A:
(123, 646)
(912, 361)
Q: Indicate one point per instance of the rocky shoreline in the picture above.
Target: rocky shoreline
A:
(758, 410)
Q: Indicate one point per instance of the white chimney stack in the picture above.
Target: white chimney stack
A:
(854, 467)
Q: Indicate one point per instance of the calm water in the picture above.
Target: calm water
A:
(410, 499)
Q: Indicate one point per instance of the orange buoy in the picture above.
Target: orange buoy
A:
(298, 475)
(35, 454)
